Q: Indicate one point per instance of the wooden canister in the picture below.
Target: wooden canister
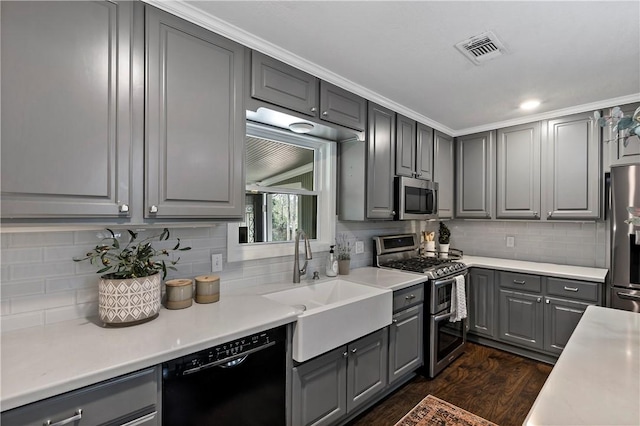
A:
(179, 293)
(207, 288)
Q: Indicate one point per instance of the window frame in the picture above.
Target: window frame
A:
(325, 169)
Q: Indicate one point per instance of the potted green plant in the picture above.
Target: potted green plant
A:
(443, 239)
(343, 250)
(129, 291)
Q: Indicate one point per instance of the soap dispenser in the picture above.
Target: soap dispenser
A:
(332, 264)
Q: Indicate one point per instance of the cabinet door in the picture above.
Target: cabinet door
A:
(342, 107)
(319, 389)
(571, 171)
(481, 302)
(474, 170)
(424, 152)
(405, 342)
(283, 85)
(405, 147)
(367, 368)
(66, 109)
(195, 121)
(518, 172)
(620, 151)
(380, 162)
(443, 166)
(521, 319)
(561, 317)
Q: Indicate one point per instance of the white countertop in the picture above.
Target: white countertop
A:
(548, 269)
(596, 380)
(40, 362)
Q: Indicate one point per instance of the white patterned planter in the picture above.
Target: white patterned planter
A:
(129, 301)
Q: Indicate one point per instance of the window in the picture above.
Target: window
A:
(290, 182)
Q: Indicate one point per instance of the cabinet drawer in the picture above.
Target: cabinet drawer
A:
(573, 289)
(520, 281)
(120, 400)
(408, 297)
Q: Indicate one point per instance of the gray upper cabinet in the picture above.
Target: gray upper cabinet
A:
(414, 149)
(443, 173)
(475, 175)
(424, 152)
(342, 107)
(518, 172)
(281, 84)
(195, 121)
(66, 109)
(380, 162)
(617, 151)
(405, 146)
(571, 167)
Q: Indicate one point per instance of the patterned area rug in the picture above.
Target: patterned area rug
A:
(432, 411)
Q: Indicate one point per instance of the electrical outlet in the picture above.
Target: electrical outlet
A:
(216, 262)
(511, 241)
(359, 247)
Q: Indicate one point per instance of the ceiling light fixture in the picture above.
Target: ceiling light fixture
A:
(529, 105)
(301, 127)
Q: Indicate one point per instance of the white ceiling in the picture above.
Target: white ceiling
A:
(573, 56)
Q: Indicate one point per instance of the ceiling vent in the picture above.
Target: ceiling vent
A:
(481, 48)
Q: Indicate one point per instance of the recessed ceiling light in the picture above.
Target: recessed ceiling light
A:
(528, 105)
(301, 127)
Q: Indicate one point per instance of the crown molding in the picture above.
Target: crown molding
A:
(592, 106)
(217, 25)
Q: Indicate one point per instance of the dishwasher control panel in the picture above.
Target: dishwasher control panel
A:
(223, 354)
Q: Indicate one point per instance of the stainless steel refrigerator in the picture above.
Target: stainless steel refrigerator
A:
(624, 285)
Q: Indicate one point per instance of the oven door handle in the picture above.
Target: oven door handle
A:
(439, 283)
(439, 318)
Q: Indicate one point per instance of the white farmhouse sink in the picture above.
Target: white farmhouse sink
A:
(336, 312)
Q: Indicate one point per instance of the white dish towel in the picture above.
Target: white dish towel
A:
(458, 300)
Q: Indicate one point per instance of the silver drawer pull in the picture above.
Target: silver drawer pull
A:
(571, 288)
(628, 296)
(409, 297)
(141, 420)
(76, 417)
(521, 282)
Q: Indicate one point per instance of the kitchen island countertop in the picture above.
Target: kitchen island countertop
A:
(596, 380)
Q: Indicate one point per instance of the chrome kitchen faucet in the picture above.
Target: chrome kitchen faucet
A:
(297, 272)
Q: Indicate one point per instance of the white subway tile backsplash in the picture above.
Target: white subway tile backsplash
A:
(87, 295)
(19, 321)
(42, 301)
(72, 282)
(35, 239)
(21, 255)
(42, 270)
(13, 289)
(5, 307)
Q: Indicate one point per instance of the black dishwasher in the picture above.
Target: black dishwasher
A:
(242, 382)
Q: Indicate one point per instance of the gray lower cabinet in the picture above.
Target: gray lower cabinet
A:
(571, 167)
(619, 151)
(482, 308)
(194, 144)
(328, 387)
(443, 173)
(521, 319)
(518, 172)
(131, 399)
(475, 175)
(66, 109)
(561, 317)
(406, 342)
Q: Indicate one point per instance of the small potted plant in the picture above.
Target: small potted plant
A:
(343, 250)
(129, 291)
(443, 239)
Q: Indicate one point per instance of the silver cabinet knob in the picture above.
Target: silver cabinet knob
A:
(549, 214)
(345, 354)
(393, 213)
(123, 208)
(539, 300)
(354, 350)
(488, 215)
(535, 214)
(547, 301)
(325, 113)
(395, 321)
(153, 209)
(314, 109)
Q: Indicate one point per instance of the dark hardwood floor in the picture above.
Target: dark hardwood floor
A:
(496, 385)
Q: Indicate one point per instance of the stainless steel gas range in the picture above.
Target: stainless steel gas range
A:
(445, 336)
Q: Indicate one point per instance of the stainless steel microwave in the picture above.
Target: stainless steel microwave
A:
(415, 199)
